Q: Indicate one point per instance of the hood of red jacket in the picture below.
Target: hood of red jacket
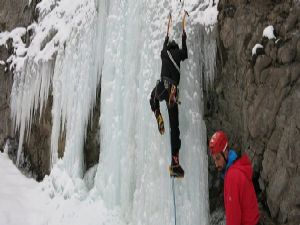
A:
(244, 165)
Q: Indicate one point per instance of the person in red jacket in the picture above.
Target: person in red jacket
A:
(240, 200)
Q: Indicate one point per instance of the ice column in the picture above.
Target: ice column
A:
(133, 168)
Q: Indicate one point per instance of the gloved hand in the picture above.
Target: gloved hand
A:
(167, 37)
(184, 35)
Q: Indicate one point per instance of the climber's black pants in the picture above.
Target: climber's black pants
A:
(160, 93)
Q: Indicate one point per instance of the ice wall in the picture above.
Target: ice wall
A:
(134, 158)
(75, 82)
(78, 43)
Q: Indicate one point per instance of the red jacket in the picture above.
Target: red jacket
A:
(239, 196)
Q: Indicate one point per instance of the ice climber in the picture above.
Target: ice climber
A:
(240, 201)
(167, 89)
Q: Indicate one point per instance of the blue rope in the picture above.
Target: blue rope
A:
(173, 188)
(174, 199)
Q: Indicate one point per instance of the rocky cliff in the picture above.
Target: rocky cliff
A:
(14, 14)
(256, 99)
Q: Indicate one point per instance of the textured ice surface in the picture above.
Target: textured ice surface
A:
(79, 45)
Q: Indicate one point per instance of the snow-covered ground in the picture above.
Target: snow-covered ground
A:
(20, 200)
(23, 201)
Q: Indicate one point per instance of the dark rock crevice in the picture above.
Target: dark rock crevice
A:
(92, 143)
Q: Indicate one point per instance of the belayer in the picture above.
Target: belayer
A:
(167, 89)
(240, 200)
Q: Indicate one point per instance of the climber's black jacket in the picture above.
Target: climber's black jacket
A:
(167, 68)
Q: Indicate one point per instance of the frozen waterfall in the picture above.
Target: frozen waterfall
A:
(117, 44)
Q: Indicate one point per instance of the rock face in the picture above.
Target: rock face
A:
(16, 13)
(36, 163)
(256, 99)
(12, 14)
(6, 81)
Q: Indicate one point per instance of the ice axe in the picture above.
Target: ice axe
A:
(183, 20)
(169, 23)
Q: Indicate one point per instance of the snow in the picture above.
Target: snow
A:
(23, 201)
(19, 198)
(17, 44)
(269, 32)
(255, 48)
(4, 37)
(15, 35)
(2, 62)
(77, 44)
(277, 40)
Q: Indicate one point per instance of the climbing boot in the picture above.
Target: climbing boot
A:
(176, 171)
(175, 168)
(160, 122)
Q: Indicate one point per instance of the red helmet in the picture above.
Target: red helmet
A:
(218, 142)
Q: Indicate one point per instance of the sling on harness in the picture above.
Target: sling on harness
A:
(173, 96)
(173, 61)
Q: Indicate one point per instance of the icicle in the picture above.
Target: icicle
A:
(28, 94)
(75, 83)
(62, 52)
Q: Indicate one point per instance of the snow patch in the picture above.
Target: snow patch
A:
(16, 35)
(5, 150)
(269, 32)
(4, 36)
(24, 202)
(255, 48)
(16, 59)
(205, 14)
(89, 177)
(59, 183)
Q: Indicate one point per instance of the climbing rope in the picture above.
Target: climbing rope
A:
(173, 188)
(174, 200)
(168, 30)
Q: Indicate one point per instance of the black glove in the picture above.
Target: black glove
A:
(167, 38)
(183, 35)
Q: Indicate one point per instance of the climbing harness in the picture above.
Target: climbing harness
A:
(173, 91)
(168, 82)
(156, 95)
(172, 97)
